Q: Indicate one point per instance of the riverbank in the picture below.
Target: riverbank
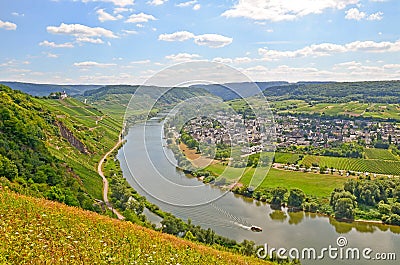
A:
(311, 183)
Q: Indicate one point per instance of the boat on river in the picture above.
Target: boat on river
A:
(255, 228)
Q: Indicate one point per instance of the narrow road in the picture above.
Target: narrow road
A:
(105, 181)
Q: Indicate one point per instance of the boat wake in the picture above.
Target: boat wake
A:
(235, 220)
(245, 227)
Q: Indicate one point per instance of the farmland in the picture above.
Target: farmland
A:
(382, 154)
(354, 164)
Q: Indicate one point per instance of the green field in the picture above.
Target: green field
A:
(320, 185)
(37, 231)
(382, 154)
(354, 164)
(284, 158)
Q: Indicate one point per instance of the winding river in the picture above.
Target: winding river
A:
(148, 168)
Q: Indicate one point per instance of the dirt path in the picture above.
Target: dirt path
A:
(105, 181)
(196, 159)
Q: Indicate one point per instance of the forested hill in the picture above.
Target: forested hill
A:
(114, 99)
(373, 91)
(26, 162)
(46, 89)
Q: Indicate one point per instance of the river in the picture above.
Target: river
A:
(148, 168)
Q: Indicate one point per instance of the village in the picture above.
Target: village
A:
(256, 134)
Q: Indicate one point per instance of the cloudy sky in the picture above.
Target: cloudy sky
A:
(127, 41)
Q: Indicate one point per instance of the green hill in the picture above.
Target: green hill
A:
(38, 231)
(50, 148)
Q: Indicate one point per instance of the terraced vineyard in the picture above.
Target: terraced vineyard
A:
(355, 164)
(96, 130)
(382, 154)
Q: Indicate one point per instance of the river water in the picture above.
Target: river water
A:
(148, 167)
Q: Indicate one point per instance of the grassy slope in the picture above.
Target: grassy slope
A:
(99, 132)
(40, 231)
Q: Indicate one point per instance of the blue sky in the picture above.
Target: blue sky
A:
(127, 41)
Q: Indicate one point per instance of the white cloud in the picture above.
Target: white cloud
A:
(17, 14)
(7, 25)
(210, 40)
(376, 16)
(115, 2)
(274, 10)
(51, 55)
(83, 33)
(156, 2)
(347, 65)
(140, 18)
(186, 4)
(93, 64)
(90, 40)
(222, 60)
(129, 32)
(326, 49)
(119, 10)
(80, 31)
(177, 36)
(348, 71)
(104, 16)
(240, 60)
(182, 57)
(391, 66)
(196, 7)
(354, 14)
(55, 45)
(141, 62)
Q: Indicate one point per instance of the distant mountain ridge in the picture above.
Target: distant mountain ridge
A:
(364, 91)
(45, 89)
(229, 91)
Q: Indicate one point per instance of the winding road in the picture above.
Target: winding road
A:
(105, 181)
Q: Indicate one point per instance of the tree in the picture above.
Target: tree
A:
(343, 204)
(189, 236)
(384, 208)
(396, 208)
(296, 198)
(278, 195)
(172, 225)
(396, 193)
(344, 208)
(394, 219)
(247, 247)
(7, 168)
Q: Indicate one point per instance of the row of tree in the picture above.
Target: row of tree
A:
(368, 198)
